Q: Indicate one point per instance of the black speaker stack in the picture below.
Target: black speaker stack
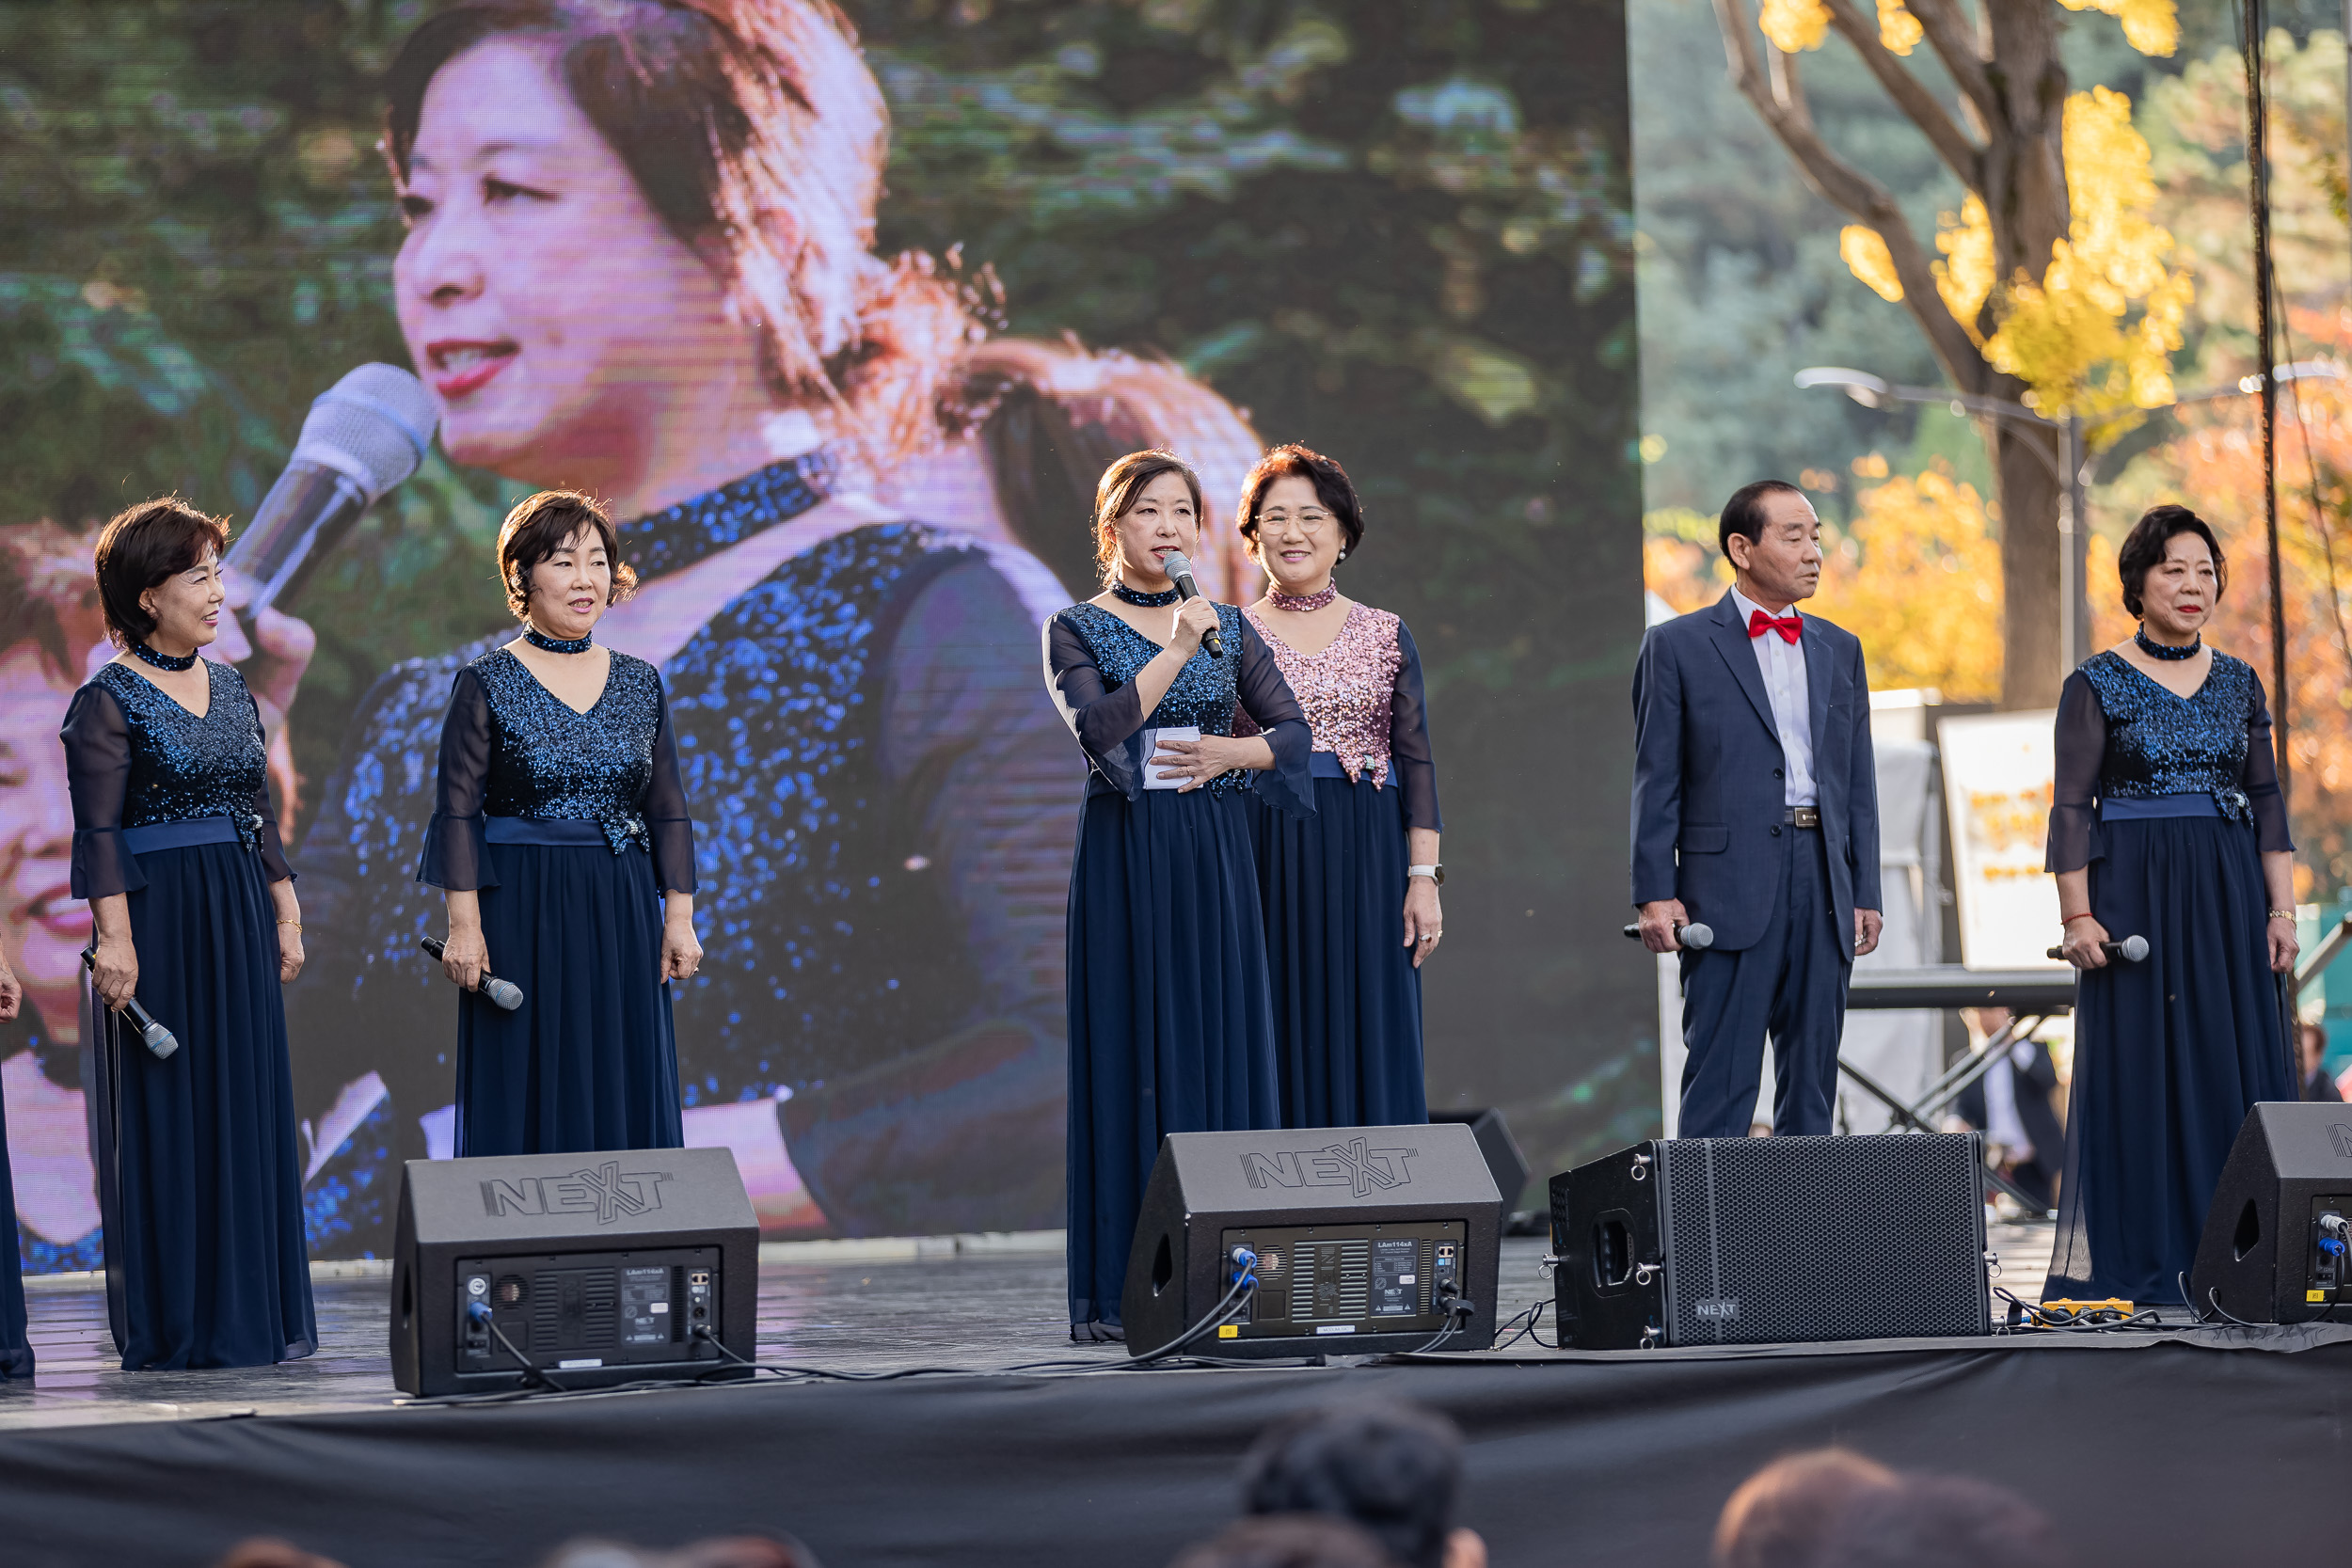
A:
(1771, 1240)
(2276, 1233)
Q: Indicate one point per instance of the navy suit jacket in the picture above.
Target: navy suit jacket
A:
(1708, 797)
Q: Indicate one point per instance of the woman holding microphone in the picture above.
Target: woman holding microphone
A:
(176, 846)
(2167, 823)
(561, 839)
(1171, 1025)
(1351, 893)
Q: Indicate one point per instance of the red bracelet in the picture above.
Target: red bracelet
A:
(2072, 918)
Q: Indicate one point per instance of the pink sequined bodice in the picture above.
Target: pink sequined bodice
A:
(1347, 689)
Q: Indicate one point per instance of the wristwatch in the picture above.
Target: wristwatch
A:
(1435, 873)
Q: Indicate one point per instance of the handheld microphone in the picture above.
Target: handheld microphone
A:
(363, 435)
(507, 995)
(1179, 571)
(160, 1041)
(1696, 936)
(2131, 949)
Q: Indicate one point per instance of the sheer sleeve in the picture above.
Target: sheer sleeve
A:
(274, 867)
(2262, 778)
(1109, 723)
(97, 778)
(1267, 698)
(456, 852)
(666, 819)
(1408, 739)
(2081, 744)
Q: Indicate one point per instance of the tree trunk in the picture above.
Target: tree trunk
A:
(2024, 463)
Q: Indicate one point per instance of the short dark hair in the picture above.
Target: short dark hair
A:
(1744, 513)
(2143, 551)
(537, 528)
(1115, 496)
(1939, 1522)
(1394, 1469)
(141, 547)
(1288, 1541)
(1333, 489)
(1779, 1517)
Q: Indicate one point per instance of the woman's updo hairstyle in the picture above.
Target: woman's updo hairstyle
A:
(758, 135)
(140, 549)
(538, 527)
(2143, 551)
(1333, 489)
(1115, 497)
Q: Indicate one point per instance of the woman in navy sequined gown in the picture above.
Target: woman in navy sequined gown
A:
(1351, 893)
(2167, 823)
(16, 1351)
(563, 843)
(1172, 1027)
(176, 846)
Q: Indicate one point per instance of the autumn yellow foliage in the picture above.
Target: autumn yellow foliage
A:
(2150, 26)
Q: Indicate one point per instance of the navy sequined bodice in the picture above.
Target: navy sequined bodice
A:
(1204, 692)
(184, 768)
(553, 764)
(2158, 743)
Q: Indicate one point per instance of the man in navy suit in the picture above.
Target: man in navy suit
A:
(1755, 812)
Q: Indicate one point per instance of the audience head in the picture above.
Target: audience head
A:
(727, 1551)
(1835, 1509)
(2312, 1039)
(1289, 1541)
(1780, 1515)
(1391, 1469)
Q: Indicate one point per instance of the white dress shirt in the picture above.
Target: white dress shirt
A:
(1783, 665)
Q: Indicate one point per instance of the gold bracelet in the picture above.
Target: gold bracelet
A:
(296, 924)
(2282, 914)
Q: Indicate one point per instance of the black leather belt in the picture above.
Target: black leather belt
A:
(1804, 816)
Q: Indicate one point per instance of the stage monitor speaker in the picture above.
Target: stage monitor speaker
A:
(596, 1269)
(1504, 1161)
(1364, 1236)
(2273, 1249)
(1772, 1240)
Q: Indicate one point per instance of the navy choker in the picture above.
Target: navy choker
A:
(538, 639)
(164, 661)
(1125, 594)
(678, 536)
(2159, 650)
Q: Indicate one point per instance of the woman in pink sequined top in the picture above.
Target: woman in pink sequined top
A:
(1350, 893)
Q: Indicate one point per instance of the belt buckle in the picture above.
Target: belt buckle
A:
(1804, 816)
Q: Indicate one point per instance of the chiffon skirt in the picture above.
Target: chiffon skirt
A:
(16, 1352)
(2169, 1053)
(1346, 996)
(1170, 1030)
(589, 1061)
(200, 1167)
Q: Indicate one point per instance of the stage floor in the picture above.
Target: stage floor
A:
(986, 1304)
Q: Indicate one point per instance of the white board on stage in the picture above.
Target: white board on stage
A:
(1999, 771)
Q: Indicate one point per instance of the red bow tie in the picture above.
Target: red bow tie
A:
(1790, 626)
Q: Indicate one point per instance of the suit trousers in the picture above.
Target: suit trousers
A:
(1791, 984)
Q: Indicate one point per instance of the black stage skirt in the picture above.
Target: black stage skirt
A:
(16, 1351)
(200, 1166)
(1346, 996)
(1171, 1029)
(589, 1062)
(2169, 1053)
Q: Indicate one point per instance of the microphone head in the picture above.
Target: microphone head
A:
(374, 426)
(159, 1039)
(1177, 565)
(1697, 937)
(503, 993)
(2134, 947)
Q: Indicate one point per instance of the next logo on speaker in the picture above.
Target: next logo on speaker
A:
(605, 1191)
(1349, 1164)
(2341, 1136)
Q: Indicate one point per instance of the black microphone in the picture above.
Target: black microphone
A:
(1180, 572)
(363, 435)
(159, 1039)
(1696, 936)
(2131, 949)
(507, 995)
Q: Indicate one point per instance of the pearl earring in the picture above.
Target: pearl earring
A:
(1343, 557)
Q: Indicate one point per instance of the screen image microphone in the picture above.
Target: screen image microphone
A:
(1179, 570)
(1697, 936)
(160, 1040)
(2131, 949)
(505, 993)
(363, 435)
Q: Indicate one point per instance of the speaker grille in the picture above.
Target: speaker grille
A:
(1779, 1239)
(575, 1310)
(1331, 1282)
